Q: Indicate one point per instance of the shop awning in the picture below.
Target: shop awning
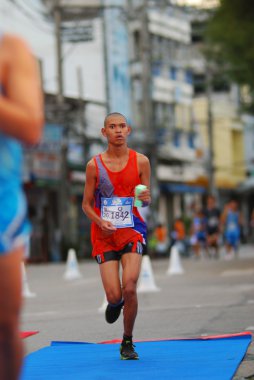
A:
(246, 186)
(181, 188)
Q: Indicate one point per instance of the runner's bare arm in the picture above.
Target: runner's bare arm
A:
(145, 175)
(21, 107)
(88, 199)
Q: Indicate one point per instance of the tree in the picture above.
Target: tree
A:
(230, 37)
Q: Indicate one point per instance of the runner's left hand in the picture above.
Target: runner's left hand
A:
(145, 197)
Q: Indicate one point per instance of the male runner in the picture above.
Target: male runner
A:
(21, 120)
(118, 231)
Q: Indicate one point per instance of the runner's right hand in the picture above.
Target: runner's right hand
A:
(107, 227)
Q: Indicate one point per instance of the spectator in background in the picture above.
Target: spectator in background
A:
(212, 227)
(252, 226)
(178, 235)
(161, 235)
(198, 233)
(232, 223)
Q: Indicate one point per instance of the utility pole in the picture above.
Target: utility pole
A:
(210, 168)
(146, 70)
(147, 104)
(105, 56)
(63, 186)
(82, 118)
(57, 20)
(80, 81)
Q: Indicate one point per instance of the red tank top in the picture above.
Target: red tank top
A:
(117, 184)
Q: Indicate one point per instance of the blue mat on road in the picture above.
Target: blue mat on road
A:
(196, 359)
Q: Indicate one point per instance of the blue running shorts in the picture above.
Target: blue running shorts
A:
(233, 238)
(14, 226)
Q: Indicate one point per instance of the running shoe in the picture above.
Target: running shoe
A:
(127, 351)
(113, 311)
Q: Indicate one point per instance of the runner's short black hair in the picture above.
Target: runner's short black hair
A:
(114, 114)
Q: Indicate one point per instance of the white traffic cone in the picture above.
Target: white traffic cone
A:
(72, 270)
(146, 279)
(104, 305)
(26, 293)
(175, 266)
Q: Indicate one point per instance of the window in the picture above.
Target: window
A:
(173, 73)
(199, 83)
(156, 69)
(198, 30)
(191, 140)
(136, 43)
(177, 138)
(188, 77)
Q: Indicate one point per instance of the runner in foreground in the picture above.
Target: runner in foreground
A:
(21, 121)
(118, 231)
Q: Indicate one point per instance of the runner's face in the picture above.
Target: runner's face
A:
(116, 130)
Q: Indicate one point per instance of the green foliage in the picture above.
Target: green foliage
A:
(230, 40)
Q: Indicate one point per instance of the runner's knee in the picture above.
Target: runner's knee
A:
(130, 289)
(113, 296)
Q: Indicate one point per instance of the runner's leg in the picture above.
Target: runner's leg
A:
(11, 351)
(131, 263)
(111, 282)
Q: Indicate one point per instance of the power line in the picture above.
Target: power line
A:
(30, 16)
(37, 10)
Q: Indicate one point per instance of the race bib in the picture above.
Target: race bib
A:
(118, 211)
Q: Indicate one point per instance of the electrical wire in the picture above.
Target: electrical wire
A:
(30, 16)
(37, 9)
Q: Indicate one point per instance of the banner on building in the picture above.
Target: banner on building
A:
(43, 162)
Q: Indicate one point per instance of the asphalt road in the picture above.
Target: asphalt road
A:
(211, 297)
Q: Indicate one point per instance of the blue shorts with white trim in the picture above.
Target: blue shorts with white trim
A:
(14, 225)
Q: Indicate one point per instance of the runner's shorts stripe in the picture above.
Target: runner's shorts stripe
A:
(14, 226)
(116, 255)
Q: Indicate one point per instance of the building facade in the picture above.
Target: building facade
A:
(217, 113)
(162, 35)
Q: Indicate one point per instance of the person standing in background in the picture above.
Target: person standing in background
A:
(232, 222)
(161, 235)
(212, 224)
(178, 236)
(21, 121)
(251, 226)
(198, 233)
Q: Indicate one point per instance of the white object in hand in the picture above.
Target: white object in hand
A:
(138, 190)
